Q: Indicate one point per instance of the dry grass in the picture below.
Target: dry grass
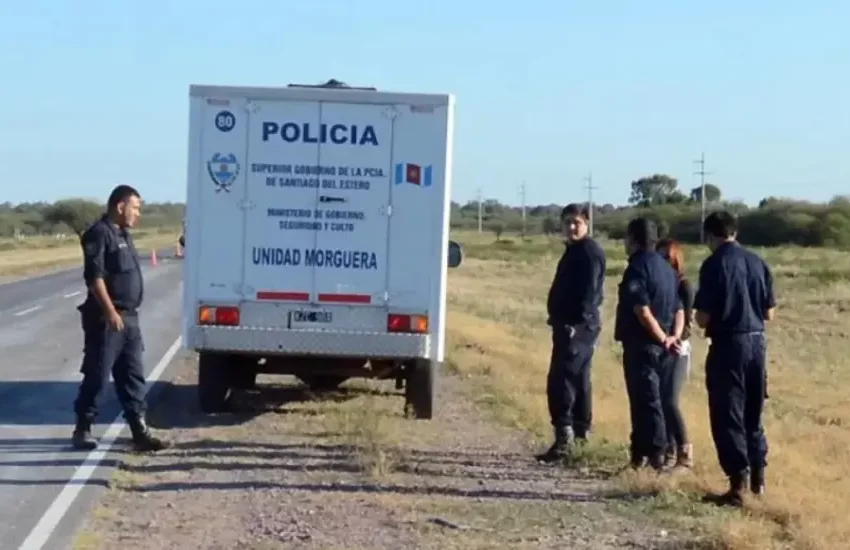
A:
(498, 337)
(291, 468)
(37, 254)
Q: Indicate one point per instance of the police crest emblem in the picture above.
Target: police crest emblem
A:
(223, 169)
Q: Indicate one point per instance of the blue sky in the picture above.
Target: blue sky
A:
(95, 93)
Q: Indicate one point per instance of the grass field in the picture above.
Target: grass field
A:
(498, 338)
(37, 254)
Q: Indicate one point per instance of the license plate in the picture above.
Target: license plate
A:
(311, 316)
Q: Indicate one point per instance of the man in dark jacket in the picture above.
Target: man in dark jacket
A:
(649, 323)
(734, 302)
(573, 307)
(112, 333)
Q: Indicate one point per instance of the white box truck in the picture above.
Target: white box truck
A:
(317, 222)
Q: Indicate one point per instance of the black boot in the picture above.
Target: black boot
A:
(560, 449)
(757, 481)
(581, 435)
(735, 495)
(656, 461)
(637, 460)
(670, 457)
(82, 439)
(143, 440)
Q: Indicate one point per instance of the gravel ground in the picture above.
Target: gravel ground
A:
(292, 469)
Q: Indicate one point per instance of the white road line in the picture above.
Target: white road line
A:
(45, 527)
(72, 294)
(28, 310)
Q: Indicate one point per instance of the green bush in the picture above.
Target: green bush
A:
(774, 223)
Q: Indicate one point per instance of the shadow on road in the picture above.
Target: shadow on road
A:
(385, 488)
(438, 474)
(51, 403)
(44, 403)
(177, 407)
(32, 404)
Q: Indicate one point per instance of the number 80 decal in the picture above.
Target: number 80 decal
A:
(225, 121)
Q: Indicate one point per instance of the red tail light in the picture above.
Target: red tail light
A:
(407, 323)
(221, 315)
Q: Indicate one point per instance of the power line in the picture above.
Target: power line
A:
(701, 173)
(480, 211)
(588, 184)
(522, 199)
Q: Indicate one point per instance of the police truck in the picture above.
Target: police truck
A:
(317, 221)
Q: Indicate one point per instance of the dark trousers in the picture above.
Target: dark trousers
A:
(107, 351)
(735, 378)
(672, 380)
(568, 385)
(643, 367)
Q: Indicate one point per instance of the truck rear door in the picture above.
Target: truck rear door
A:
(350, 257)
(280, 218)
(317, 214)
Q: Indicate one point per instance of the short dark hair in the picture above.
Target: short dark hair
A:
(575, 209)
(120, 194)
(720, 224)
(643, 232)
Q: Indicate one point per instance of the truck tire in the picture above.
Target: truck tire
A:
(215, 381)
(421, 387)
(322, 382)
(243, 372)
(244, 378)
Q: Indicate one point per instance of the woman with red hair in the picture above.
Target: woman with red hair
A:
(679, 449)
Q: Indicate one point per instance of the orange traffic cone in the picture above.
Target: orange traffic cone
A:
(153, 258)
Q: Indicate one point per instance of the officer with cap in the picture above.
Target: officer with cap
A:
(734, 299)
(111, 332)
(649, 323)
(573, 307)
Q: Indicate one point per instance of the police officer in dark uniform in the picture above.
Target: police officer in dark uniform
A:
(110, 319)
(734, 299)
(649, 323)
(573, 307)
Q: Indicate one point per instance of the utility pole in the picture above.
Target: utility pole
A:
(701, 173)
(588, 184)
(480, 211)
(522, 199)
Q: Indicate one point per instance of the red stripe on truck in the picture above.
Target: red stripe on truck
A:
(346, 298)
(276, 295)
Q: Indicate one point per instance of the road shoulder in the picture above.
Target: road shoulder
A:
(347, 470)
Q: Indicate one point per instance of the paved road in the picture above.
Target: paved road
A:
(41, 343)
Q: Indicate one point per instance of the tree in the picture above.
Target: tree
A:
(712, 193)
(654, 189)
(676, 197)
(498, 229)
(78, 214)
(550, 226)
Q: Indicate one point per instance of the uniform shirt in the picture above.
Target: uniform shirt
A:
(577, 288)
(648, 281)
(109, 253)
(735, 290)
(686, 295)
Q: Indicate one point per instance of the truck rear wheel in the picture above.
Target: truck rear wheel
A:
(421, 387)
(243, 372)
(244, 379)
(215, 381)
(322, 382)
